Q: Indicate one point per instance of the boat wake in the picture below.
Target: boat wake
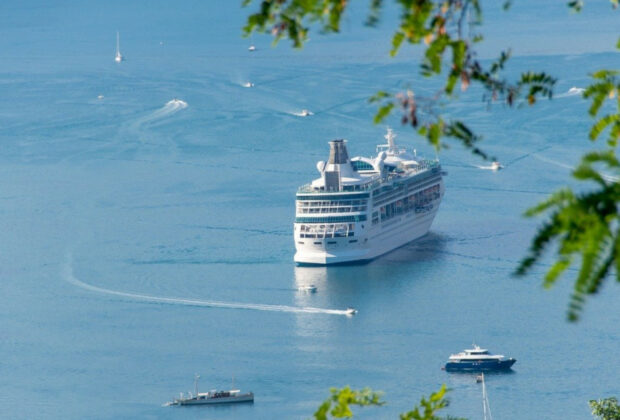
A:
(574, 91)
(171, 107)
(606, 177)
(70, 278)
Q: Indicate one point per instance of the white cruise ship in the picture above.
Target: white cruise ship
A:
(361, 208)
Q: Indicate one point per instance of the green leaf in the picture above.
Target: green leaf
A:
(601, 124)
(383, 112)
(397, 40)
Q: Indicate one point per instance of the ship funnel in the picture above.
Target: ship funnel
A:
(338, 166)
(338, 152)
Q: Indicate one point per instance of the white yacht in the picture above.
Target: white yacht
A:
(361, 208)
(118, 57)
(478, 359)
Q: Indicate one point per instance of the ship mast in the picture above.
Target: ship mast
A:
(196, 377)
(390, 136)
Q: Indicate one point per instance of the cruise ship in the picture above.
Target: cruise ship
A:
(361, 208)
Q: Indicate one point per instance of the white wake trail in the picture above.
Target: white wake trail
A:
(553, 162)
(69, 277)
(171, 107)
(606, 177)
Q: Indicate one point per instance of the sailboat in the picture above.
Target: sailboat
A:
(118, 58)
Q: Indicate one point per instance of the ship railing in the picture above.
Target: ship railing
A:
(308, 188)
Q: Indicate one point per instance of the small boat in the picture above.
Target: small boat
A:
(478, 360)
(212, 397)
(119, 57)
(251, 48)
(351, 311)
(310, 288)
(248, 84)
(305, 113)
(496, 166)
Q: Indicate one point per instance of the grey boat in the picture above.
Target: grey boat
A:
(212, 397)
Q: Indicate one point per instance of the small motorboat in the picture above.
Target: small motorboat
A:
(310, 288)
(251, 48)
(496, 166)
(212, 397)
(351, 311)
(248, 84)
(305, 113)
(478, 360)
(118, 57)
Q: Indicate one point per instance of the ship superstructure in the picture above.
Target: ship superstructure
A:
(361, 208)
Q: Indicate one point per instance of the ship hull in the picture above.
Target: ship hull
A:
(477, 366)
(220, 400)
(372, 243)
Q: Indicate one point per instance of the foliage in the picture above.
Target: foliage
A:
(339, 403)
(606, 409)
(446, 27)
(583, 226)
(587, 224)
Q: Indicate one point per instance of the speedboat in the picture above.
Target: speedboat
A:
(212, 397)
(496, 166)
(305, 113)
(477, 360)
(248, 84)
(310, 288)
(351, 311)
(118, 57)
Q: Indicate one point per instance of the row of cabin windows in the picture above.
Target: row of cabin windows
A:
(337, 230)
(331, 219)
(341, 206)
(311, 210)
(331, 203)
(415, 202)
(389, 190)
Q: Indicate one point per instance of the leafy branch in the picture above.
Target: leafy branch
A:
(339, 403)
(605, 409)
(445, 27)
(585, 225)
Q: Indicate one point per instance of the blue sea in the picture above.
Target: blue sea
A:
(146, 214)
